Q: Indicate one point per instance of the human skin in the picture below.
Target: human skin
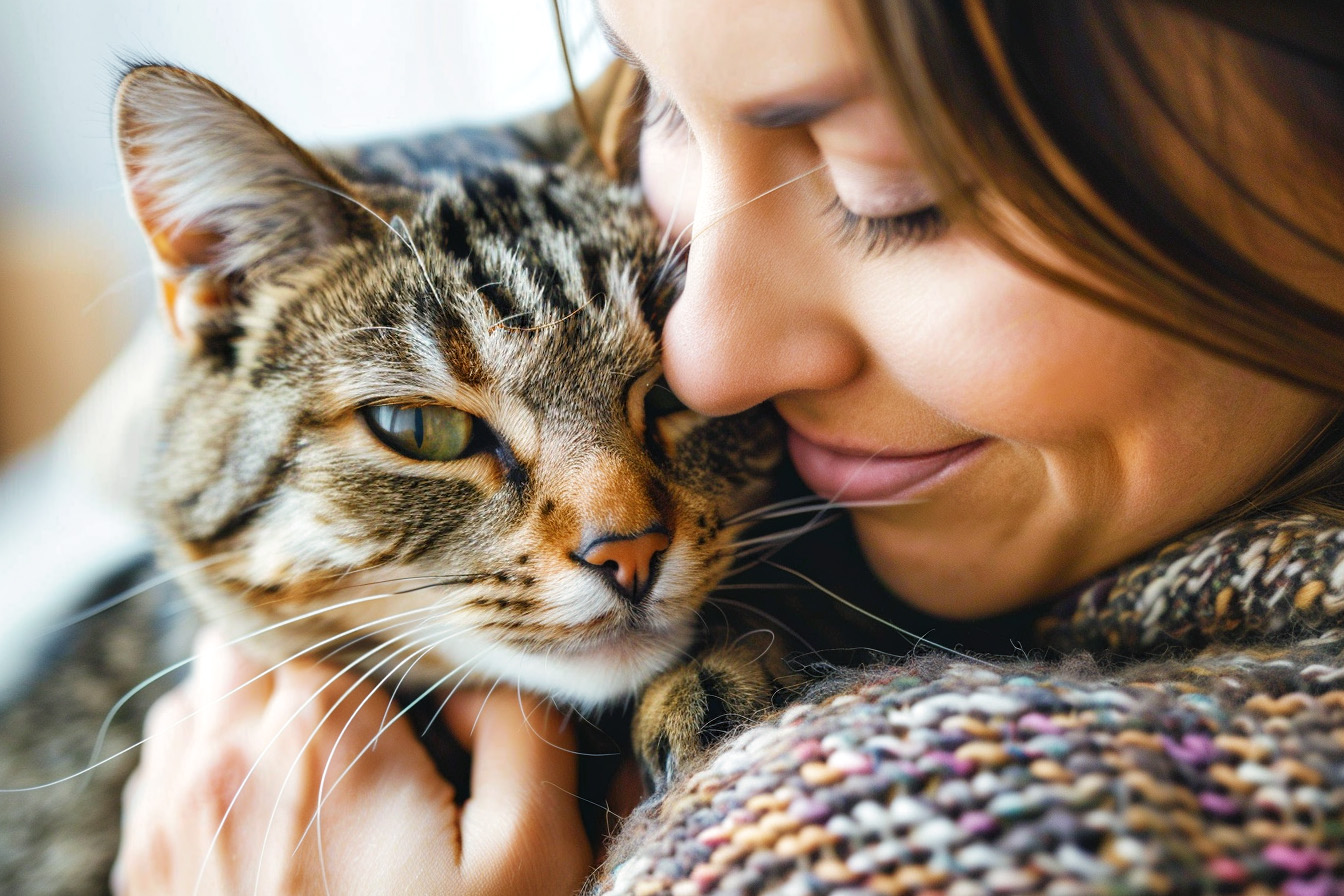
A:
(1080, 439)
(239, 765)
(1095, 437)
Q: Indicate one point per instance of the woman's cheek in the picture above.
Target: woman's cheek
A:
(999, 352)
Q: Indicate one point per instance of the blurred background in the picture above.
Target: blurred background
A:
(74, 277)
(73, 274)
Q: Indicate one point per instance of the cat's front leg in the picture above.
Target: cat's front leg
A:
(731, 681)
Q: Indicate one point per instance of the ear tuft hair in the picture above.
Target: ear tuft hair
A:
(218, 189)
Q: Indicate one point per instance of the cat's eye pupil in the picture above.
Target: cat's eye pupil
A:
(428, 432)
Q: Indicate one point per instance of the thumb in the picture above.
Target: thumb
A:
(523, 784)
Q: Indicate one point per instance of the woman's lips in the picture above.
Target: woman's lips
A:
(839, 475)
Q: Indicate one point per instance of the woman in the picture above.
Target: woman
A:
(1050, 287)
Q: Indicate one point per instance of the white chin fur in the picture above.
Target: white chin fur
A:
(586, 680)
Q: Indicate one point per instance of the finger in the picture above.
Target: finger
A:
(626, 790)
(343, 713)
(171, 712)
(221, 671)
(524, 772)
(513, 737)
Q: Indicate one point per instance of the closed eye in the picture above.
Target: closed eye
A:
(887, 233)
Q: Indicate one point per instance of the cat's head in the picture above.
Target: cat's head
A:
(424, 423)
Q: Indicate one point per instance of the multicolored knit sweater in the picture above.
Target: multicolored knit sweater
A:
(1191, 741)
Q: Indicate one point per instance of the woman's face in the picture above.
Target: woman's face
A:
(1003, 439)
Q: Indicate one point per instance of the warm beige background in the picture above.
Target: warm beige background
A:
(59, 322)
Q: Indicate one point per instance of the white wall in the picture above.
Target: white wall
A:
(321, 69)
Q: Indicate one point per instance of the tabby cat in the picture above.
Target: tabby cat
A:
(418, 426)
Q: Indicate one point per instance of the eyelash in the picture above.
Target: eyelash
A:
(659, 111)
(877, 235)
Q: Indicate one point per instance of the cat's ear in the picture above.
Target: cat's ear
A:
(219, 191)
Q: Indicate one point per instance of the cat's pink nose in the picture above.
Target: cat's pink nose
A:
(630, 562)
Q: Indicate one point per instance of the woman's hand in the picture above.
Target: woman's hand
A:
(260, 787)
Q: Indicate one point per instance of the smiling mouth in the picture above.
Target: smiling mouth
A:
(840, 475)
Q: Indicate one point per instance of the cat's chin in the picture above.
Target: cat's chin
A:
(590, 677)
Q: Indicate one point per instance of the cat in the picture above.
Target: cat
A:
(418, 427)
(452, 386)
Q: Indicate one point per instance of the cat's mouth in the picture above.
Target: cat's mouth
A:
(591, 671)
(619, 634)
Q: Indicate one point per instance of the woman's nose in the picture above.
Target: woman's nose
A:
(756, 319)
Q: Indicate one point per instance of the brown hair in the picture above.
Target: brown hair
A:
(1064, 132)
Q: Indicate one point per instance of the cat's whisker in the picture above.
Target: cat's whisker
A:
(783, 539)
(328, 188)
(572, 712)
(676, 203)
(659, 279)
(228, 810)
(396, 225)
(820, 518)
(612, 816)
(747, 515)
(527, 719)
(465, 578)
(417, 649)
(115, 287)
(914, 639)
(772, 539)
(770, 513)
(401, 682)
(420, 259)
(474, 722)
(417, 644)
(141, 588)
(325, 792)
(754, 555)
(174, 667)
(710, 603)
(438, 582)
(774, 620)
(430, 615)
(461, 672)
(749, 560)
(373, 742)
(500, 325)
(736, 207)
(758, 631)
(400, 331)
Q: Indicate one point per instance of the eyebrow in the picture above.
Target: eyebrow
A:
(768, 115)
(781, 114)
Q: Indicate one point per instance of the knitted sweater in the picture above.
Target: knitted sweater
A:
(1190, 740)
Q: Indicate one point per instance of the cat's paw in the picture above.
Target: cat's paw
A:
(688, 709)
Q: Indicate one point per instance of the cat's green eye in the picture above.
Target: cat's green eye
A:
(432, 432)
